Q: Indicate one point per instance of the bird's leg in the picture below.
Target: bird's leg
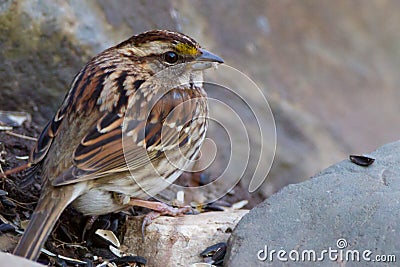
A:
(88, 225)
(159, 209)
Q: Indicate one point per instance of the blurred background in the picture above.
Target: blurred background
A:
(329, 69)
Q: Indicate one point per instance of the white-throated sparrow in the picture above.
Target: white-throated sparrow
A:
(117, 130)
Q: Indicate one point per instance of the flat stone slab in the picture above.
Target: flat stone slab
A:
(7, 259)
(178, 241)
(346, 210)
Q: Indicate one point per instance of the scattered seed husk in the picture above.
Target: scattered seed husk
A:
(14, 118)
(180, 197)
(108, 236)
(361, 160)
(240, 204)
(5, 128)
(3, 193)
(211, 250)
(71, 260)
(115, 251)
(7, 202)
(6, 227)
(48, 253)
(4, 220)
(106, 264)
(202, 264)
(22, 157)
(213, 207)
(130, 259)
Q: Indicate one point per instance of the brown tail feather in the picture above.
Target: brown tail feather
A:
(46, 214)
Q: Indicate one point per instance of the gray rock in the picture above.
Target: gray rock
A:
(11, 260)
(345, 203)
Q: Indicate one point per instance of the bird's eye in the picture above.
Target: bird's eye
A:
(171, 57)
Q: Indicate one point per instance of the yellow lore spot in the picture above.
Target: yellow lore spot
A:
(186, 49)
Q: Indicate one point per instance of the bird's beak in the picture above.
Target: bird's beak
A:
(210, 57)
(206, 60)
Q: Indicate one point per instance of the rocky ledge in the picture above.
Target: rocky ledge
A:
(347, 210)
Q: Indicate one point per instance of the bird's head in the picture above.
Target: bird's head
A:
(159, 49)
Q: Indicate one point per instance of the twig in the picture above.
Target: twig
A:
(14, 170)
(23, 205)
(3, 175)
(21, 136)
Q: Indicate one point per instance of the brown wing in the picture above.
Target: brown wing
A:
(41, 148)
(99, 153)
(102, 151)
(52, 128)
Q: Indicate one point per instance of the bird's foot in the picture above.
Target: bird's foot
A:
(159, 209)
